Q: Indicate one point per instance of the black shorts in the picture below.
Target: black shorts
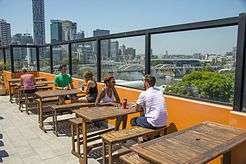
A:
(91, 99)
(30, 90)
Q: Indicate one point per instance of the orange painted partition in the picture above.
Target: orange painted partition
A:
(185, 113)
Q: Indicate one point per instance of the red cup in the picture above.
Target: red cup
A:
(124, 103)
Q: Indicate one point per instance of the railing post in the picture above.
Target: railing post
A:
(98, 44)
(240, 77)
(51, 60)
(37, 58)
(70, 59)
(4, 59)
(147, 53)
(12, 58)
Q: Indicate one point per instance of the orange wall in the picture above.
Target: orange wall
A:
(186, 112)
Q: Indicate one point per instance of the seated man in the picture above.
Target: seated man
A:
(109, 95)
(28, 82)
(64, 81)
(151, 101)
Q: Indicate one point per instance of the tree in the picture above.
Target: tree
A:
(205, 84)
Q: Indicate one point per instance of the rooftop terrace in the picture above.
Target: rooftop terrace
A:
(22, 141)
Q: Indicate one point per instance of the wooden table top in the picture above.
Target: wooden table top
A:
(54, 93)
(102, 112)
(198, 144)
(18, 79)
(38, 83)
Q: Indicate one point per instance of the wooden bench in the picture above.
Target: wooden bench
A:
(123, 135)
(65, 109)
(133, 158)
(76, 131)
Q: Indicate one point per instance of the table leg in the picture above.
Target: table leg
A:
(39, 110)
(78, 142)
(10, 93)
(84, 128)
(227, 158)
(41, 121)
(104, 152)
(110, 152)
(73, 136)
(55, 117)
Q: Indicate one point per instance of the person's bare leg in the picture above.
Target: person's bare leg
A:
(83, 100)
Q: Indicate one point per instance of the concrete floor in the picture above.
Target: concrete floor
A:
(22, 142)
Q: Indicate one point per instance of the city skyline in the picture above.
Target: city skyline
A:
(88, 24)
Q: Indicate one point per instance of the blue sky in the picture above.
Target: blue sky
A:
(125, 15)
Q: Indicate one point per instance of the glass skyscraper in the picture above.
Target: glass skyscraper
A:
(5, 33)
(56, 31)
(38, 22)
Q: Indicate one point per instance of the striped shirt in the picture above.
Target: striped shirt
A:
(152, 100)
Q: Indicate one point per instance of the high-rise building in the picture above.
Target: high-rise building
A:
(105, 44)
(38, 22)
(69, 30)
(114, 50)
(80, 35)
(5, 33)
(130, 53)
(24, 56)
(22, 39)
(56, 31)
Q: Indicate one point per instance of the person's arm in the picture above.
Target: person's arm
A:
(21, 81)
(71, 83)
(116, 95)
(139, 108)
(100, 97)
(140, 102)
(89, 85)
(34, 80)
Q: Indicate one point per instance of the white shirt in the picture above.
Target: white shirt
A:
(152, 100)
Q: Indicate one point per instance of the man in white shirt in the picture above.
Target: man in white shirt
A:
(151, 102)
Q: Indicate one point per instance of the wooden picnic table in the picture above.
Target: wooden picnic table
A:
(14, 83)
(16, 80)
(98, 113)
(42, 95)
(198, 144)
(38, 83)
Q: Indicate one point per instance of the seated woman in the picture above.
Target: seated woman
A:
(28, 82)
(89, 88)
(109, 96)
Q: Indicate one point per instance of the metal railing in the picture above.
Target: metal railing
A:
(240, 77)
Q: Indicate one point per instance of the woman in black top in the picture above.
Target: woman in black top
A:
(90, 88)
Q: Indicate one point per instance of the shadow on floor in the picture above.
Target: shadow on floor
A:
(3, 153)
(64, 127)
(1, 143)
(1, 118)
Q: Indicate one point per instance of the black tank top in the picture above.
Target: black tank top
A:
(93, 91)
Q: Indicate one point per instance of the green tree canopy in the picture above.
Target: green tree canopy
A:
(205, 84)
